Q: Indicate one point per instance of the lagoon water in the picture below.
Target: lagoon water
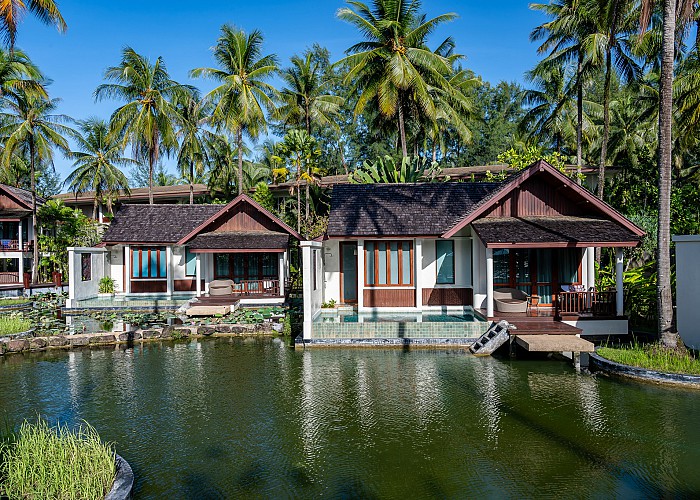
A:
(223, 418)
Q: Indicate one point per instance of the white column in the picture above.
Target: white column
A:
(590, 264)
(619, 268)
(418, 265)
(281, 258)
(476, 268)
(489, 282)
(20, 267)
(360, 274)
(127, 269)
(169, 269)
(198, 273)
(19, 237)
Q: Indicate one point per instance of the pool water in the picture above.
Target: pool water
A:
(251, 418)
(398, 317)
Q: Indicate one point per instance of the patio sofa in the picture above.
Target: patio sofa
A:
(510, 300)
(221, 287)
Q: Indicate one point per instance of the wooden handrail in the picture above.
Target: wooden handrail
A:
(257, 287)
(13, 245)
(594, 303)
(9, 278)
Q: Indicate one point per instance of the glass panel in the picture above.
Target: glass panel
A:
(394, 263)
(144, 262)
(406, 267)
(522, 266)
(544, 276)
(349, 270)
(163, 264)
(369, 263)
(270, 265)
(568, 266)
(135, 269)
(153, 256)
(190, 263)
(545, 293)
(238, 267)
(254, 266)
(445, 261)
(221, 265)
(501, 266)
(382, 263)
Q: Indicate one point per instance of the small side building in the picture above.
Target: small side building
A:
(16, 235)
(178, 250)
(688, 289)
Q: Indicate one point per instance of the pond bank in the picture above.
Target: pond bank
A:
(607, 366)
(13, 346)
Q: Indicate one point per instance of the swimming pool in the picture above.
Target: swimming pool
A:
(463, 325)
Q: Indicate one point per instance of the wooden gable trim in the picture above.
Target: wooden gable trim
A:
(11, 195)
(532, 170)
(241, 198)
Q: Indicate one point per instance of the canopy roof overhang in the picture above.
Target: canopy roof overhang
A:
(240, 241)
(553, 232)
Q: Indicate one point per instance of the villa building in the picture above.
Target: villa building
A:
(16, 235)
(423, 247)
(179, 250)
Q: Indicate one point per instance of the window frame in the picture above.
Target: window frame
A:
(387, 257)
(194, 256)
(147, 251)
(437, 268)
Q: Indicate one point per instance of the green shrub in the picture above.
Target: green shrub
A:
(10, 325)
(55, 462)
(14, 301)
(328, 305)
(106, 285)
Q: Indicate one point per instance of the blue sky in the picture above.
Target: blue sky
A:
(493, 36)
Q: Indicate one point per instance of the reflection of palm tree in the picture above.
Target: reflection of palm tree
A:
(97, 164)
(148, 118)
(243, 96)
(29, 125)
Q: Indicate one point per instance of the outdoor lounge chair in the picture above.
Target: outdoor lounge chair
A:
(510, 300)
(221, 287)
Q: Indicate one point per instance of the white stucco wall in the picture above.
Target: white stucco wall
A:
(116, 267)
(88, 289)
(331, 274)
(313, 296)
(479, 270)
(463, 264)
(688, 289)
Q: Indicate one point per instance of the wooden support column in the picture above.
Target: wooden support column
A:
(489, 282)
(619, 269)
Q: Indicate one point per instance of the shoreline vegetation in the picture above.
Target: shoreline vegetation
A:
(40, 461)
(653, 356)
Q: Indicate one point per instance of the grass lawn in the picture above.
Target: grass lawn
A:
(10, 325)
(55, 462)
(653, 357)
(12, 301)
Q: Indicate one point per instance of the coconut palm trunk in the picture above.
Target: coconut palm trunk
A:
(35, 235)
(606, 124)
(402, 131)
(665, 305)
(579, 117)
(94, 208)
(239, 142)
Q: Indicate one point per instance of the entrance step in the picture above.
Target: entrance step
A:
(491, 339)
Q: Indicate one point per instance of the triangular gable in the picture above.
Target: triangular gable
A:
(236, 208)
(10, 200)
(541, 167)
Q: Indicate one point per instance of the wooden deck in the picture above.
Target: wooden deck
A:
(535, 322)
(554, 343)
(227, 300)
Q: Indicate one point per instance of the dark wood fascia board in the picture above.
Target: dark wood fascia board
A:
(141, 243)
(535, 168)
(385, 237)
(238, 250)
(562, 244)
(241, 198)
(11, 219)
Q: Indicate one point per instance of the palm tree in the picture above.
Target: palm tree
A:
(149, 118)
(392, 65)
(13, 10)
(243, 95)
(97, 162)
(18, 72)
(304, 100)
(193, 154)
(30, 127)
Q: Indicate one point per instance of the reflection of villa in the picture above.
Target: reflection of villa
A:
(437, 246)
(16, 237)
(171, 250)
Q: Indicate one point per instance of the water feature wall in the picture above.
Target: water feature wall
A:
(86, 267)
(312, 265)
(688, 288)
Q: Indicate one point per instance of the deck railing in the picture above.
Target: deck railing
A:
(593, 303)
(9, 278)
(13, 246)
(257, 287)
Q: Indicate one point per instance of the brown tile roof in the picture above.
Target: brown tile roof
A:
(258, 240)
(14, 214)
(140, 193)
(24, 196)
(402, 209)
(165, 223)
(556, 229)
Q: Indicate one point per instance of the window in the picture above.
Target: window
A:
(445, 253)
(86, 267)
(190, 263)
(148, 262)
(388, 263)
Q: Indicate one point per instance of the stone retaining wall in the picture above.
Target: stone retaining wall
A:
(602, 364)
(140, 335)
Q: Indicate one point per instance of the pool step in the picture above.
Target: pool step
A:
(491, 339)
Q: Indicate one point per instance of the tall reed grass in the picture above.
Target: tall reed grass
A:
(653, 356)
(13, 324)
(41, 462)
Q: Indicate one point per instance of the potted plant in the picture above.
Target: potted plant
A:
(106, 287)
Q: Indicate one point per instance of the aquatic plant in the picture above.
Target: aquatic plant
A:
(14, 301)
(653, 356)
(11, 324)
(55, 462)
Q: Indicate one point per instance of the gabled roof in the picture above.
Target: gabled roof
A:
(540, 167)
(402, 209)
(140, 193)
(223, 212)
(22, 196)
(240, 240)
(156, 223)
